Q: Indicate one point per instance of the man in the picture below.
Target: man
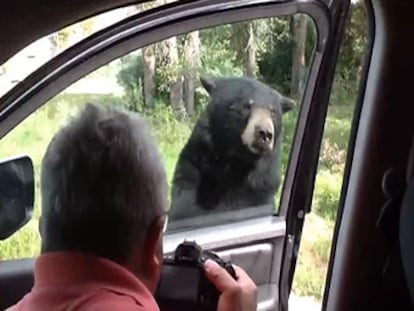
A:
(104, 197)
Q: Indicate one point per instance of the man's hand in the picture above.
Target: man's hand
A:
(240, 295)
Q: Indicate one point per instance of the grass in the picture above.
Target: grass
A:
(317, 233)
(33, 135)
(313, 257)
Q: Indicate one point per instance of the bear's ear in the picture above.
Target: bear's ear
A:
(287, 104)
(208, 83)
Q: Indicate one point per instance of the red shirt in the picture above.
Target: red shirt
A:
(72, 281)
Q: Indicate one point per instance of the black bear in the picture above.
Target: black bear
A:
(232, 158)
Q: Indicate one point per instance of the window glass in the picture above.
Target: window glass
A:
(310, 274)
(223, 103)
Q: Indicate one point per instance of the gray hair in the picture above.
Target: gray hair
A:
(103, 184)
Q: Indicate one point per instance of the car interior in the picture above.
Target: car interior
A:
(371, 260)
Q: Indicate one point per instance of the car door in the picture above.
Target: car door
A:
(264, 242)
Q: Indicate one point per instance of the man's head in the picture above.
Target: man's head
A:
(104, 191)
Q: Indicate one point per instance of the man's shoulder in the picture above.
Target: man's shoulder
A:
(110, 300)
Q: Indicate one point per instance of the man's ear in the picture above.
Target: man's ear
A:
(208, 83)
(153, 254)
(287, 104)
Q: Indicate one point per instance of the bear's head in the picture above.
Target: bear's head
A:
(245, 115)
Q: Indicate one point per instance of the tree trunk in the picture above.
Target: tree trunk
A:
(298, 62)
(250, 66)
(192, 58)
(176, 85)
(149, 72)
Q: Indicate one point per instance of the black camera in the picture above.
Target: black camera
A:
(183, 285)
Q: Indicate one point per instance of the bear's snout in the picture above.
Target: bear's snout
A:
(264, 134)
(258, 135)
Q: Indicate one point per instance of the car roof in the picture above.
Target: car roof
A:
(42, 17)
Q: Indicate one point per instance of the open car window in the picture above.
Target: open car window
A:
(175, 83)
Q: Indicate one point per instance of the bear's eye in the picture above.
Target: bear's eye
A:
(273, 112)
(248, 105)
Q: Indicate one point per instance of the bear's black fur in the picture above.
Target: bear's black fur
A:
(232, 158)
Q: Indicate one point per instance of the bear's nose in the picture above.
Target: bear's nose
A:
(264, 135)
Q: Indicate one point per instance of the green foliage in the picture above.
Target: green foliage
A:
(170, 133)
(276, 53)
(326, 195)
(289, 127)
(167, 71)
(222, 52)
(130, 77)
(354, 42)
(218, 57)
(275, 61)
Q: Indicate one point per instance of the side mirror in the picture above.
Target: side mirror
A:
(16, 194)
